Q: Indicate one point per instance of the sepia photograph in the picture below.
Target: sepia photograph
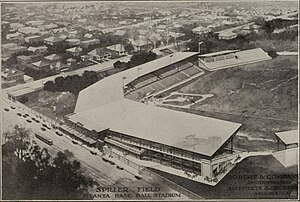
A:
(149, 100)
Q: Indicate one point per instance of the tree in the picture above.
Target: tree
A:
(29, 171)
(129, 48)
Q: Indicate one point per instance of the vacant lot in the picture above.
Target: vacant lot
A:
(263, 96)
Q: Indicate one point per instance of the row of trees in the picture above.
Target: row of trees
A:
(30, 172)
(73, 84)
(136, 59)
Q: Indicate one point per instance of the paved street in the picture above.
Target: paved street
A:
(93, 165)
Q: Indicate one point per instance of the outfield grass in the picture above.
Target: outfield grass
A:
(263, 96)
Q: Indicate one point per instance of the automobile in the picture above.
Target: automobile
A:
(34, 142)
(24, 116)
(6, 109)
(58, 133)
(43, 129)
(111, 163)
(105, 159)
(138, 177)
(94, 153)
(120, 168)
(29, 121)
(19, 114)
(13, 107)
(74, 142)
(46, 126)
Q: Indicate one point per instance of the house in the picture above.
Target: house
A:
(16, 25)
(120, 33)
(33, 39)
(52, 58)
(226, 35)
(50, 26)
(116, 50)
(75, 34)
(12, 75)
(75, 51)
(41, 65)
(28, 79)
(141, 44)
(73, 42)
(11, 48)
(29, 30)
(39, 49)
(71, 61)
(161, 28)
(24, 59)
(34, 23)
(87, 43)
(88, 36)
(58, 30)
(5, 25)
(53, 40)
(201, 30)
(14, 36)
(99, 54)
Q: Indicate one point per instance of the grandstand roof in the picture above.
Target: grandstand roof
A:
(242, 58)
(218, 53)
(288, 137)
(179, 129)
(110, 88)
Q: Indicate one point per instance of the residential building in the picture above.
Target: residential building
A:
(39, 49)
(99, 54)
(53, 40)
(33, 39)
(75, 51)
(12, 75)
(87, 43)
(116, 50)
(73, 42)
(14, 36)
(201, 30)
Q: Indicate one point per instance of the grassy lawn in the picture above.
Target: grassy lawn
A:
(263, 96)
(53, 104)
(277, 45)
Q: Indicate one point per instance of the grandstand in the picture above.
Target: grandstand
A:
(164, 78)
(186, 142)
(231, 58)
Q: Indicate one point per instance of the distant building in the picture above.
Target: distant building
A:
(12, 75)
(14, 36)
(11, 48)
(116, 50)
(28, 79)
(39, 49)
(71, 61)
(75, 51)
(99, 54)
(33, 39)
(226, 35)
(201, 30)
(87, 43)
(120, 33)
(28, 30)
(73, 42)
(53, 40)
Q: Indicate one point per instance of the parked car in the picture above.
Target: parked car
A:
(105, 159)
(58, 133)
(74, 142)
(43, 129)
(111, 163)
(6, 109)
(19, 114)
(138, 177)
(29, 121)
(94, 153)
(46, 126)
(13, 107)
(120, 168)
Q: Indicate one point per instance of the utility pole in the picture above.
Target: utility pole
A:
(199, 44)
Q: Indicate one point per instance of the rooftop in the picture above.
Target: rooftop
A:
(288, 137)
(182, 130)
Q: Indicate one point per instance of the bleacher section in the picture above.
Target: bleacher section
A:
(161, 79)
